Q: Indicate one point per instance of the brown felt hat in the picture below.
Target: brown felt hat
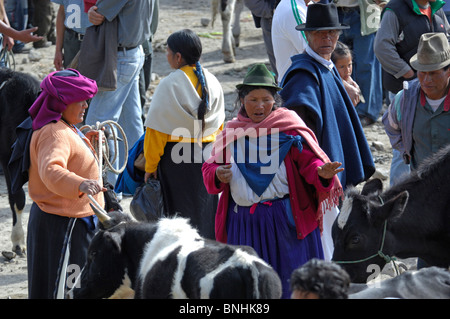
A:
(433, 52)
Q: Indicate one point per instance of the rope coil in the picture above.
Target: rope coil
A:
(105, 155)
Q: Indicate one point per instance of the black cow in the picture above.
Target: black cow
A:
(411, 219)
(18, 91)
(230, 12)
(168, 259)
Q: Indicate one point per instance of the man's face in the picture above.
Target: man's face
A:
(434, 83)
(323, 42)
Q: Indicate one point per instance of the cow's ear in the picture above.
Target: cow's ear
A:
(374, 186)
(115, 239)
(393, 208)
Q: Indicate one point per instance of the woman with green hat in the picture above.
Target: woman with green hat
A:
(274, 179)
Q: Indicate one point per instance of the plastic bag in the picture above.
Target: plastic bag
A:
(147, 203)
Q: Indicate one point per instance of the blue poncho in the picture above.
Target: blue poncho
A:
(308, 84)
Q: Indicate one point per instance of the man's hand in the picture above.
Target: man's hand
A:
(94, 17)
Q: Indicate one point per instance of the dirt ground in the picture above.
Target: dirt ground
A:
(174, 15)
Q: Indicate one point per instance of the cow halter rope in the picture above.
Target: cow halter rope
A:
(379, 253)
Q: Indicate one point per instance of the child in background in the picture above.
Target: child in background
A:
(343, 60)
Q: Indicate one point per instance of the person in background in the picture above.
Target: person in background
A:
(402, 24)
(9, 34)
(17, 11)
(272, 203)
(362, 17)
(343, 61)
(286, 40)
(186, 113)
(71, 24)
(319, 279)
(145, 76)
(122, 105)
(313, 88)
(262, 11)
(63, 171)
(418, 120)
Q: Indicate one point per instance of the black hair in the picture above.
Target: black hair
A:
(188, 44)
(341, 50)
(324, 278)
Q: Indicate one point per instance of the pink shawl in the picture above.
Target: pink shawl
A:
(279, 120)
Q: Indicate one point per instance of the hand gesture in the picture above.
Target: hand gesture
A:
(328, 170)
(223, 173)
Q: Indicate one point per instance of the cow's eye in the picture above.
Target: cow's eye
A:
(355, 240)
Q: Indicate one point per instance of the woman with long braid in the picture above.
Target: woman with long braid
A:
(185, 115)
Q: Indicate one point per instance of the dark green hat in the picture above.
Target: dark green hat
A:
(259, 75)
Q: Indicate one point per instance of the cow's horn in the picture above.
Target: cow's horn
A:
(99, 211)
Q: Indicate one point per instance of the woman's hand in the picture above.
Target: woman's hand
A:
(153, 175)
(92, 136)
(91, 187)
(328, 170)
(224, 174)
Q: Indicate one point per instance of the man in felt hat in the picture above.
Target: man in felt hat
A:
(313, 88)
(418, 119)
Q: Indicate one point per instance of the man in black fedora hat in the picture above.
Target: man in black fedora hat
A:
(313, 88)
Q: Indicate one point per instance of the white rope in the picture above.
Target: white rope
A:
(98, 146)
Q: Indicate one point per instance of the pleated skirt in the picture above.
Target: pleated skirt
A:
(271, 231)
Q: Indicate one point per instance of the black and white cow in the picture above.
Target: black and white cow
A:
(230, 12)
(411, 219)
(168, 259)
(18, 91)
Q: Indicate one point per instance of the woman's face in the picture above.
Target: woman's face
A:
(74, 112)
(258, 104)
(174, 59)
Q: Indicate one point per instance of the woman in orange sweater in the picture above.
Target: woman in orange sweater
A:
(63, 169)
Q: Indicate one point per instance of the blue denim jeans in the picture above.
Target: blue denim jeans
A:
(122, 105)
(366, 68)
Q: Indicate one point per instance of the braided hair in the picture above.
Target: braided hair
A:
(188, 44)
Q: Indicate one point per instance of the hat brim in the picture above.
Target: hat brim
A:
(239, 86)
(302, 27)
(427, 67)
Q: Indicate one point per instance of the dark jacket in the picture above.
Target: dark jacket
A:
(412, 25)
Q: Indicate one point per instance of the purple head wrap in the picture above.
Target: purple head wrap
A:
(60, 89)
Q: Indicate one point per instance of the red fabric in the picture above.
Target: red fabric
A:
(88, 4)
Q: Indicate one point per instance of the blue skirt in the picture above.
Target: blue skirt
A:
(271, 231)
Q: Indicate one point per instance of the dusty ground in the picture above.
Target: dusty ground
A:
(174, 15)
